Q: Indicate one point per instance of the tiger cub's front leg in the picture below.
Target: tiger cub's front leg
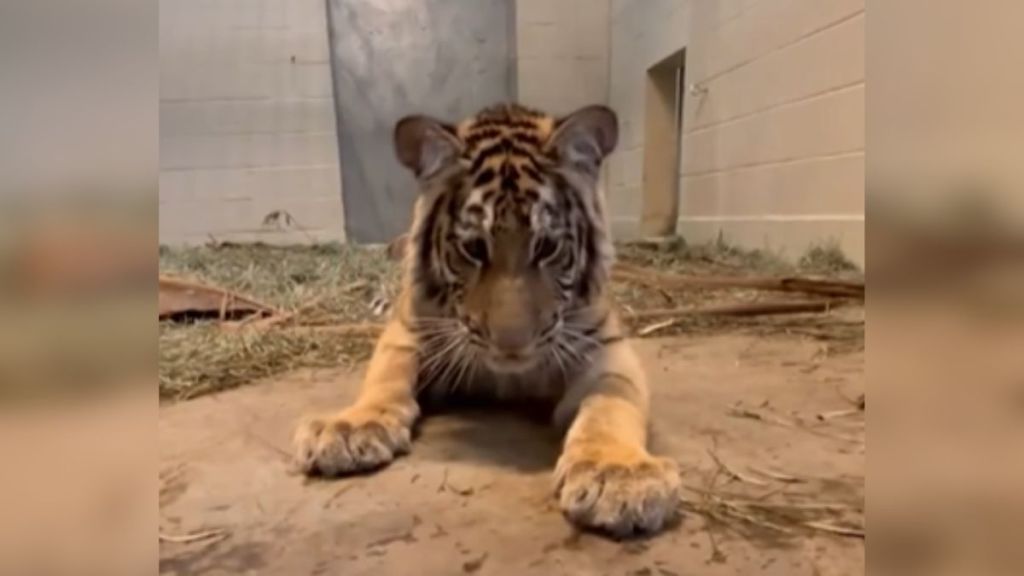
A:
(605, 478)
(377, 426)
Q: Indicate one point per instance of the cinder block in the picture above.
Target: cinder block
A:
(589, 29)
(590, 81)
(245, 117)
(540, 82)
(831, 124)
(614, 170)
(536, 11)
(624, 201)
(633, 166)
(300, 81)
(541, 40)
(248, 150)
(767, 26)
(715, 14)
(832, 185)
(831, 59)
(243, 126)
(670, 34)
(619, 7)
(307, 214)
(307, 16)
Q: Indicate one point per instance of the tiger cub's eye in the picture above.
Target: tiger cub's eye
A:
(544, 249)
(475, 249)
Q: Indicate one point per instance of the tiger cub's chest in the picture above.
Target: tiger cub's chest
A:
(456, 377)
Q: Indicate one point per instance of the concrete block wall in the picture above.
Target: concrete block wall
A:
(772, 152)
(247, 122)
(773, 140)
(562, 53)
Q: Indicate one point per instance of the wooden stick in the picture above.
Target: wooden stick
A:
(751, 309)
(746, 309)
(656, 279)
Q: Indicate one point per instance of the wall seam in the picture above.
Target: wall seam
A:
(803, 37)
(786, 161)
(801, 100)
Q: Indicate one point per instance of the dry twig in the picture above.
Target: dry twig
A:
(838, 530)
(275, 319)
(652, 328)
(193, 536)
(734, 473)
(832, 414)
(775, 475)
(740, 412)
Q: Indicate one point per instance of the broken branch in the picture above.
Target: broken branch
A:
(746, 309)
(656, 279)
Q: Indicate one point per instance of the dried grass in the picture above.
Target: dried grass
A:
(786, 508)
(317, 283)
(202, 358)
(331, 284)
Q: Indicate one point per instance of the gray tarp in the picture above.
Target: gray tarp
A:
(397, 57)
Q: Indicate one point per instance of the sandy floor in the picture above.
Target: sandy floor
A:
(475, 494)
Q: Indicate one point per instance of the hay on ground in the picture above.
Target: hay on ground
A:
(333, 284)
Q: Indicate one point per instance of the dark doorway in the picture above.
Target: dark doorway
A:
(662, 145)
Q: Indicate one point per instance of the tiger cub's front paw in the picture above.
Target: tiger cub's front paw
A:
(349, 443)
(621, 496)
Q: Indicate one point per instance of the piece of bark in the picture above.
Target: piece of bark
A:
(178, 297)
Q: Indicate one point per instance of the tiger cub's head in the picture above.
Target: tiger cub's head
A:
(508, 247)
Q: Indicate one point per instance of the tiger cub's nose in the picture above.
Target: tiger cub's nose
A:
(512, 341)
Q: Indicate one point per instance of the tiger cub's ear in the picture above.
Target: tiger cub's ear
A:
(585, 137)
(425, 145)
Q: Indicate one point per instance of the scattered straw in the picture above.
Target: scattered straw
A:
(787, 510)
(199, 359)
(331, 299)
(735, 474)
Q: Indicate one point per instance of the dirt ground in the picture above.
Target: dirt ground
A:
(474, 497)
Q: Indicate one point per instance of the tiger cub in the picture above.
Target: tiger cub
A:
(506, 293)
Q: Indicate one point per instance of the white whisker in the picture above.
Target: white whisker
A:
(464, 362)
(449, 367)
(436, 358)
(580, 336)
(559, 362)
(578, 357)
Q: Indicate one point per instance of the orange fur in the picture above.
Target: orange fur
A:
(501, 173)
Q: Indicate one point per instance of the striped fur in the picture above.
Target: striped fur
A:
(510, 184)
(505, 294)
